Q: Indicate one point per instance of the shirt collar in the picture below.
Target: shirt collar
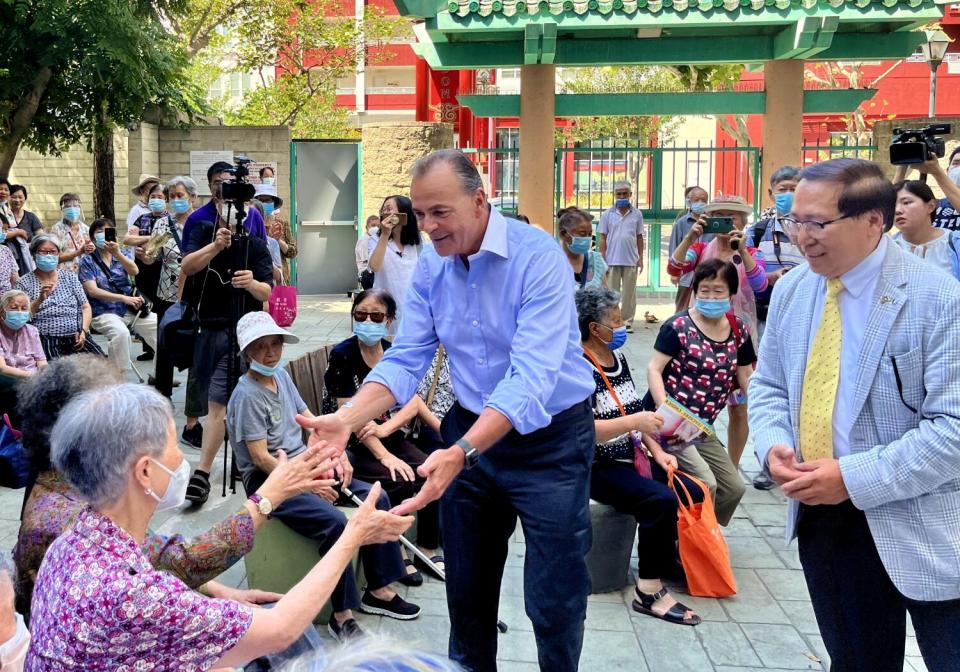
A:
(103, 532)
(495, 237)
(864, 274)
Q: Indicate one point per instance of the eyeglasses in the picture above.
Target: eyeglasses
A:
(815, 228)
(363, 316)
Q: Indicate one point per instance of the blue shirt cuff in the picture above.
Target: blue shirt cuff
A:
(525, 413)
(393, 376)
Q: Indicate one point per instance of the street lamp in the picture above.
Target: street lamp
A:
(934, 49)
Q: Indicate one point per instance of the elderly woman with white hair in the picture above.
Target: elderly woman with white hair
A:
(99, 603)
(21, 354)
(58, 305)
(14, 636)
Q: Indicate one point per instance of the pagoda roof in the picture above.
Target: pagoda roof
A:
(473, 34)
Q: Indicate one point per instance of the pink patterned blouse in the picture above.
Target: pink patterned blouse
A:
(100, 605)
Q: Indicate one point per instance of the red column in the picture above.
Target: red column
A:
(423, 90)
(466, 116)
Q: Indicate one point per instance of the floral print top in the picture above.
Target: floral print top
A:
(54, 505)
(100, 605)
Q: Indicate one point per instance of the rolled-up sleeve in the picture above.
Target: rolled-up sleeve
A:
(406, 361)
(537, 351)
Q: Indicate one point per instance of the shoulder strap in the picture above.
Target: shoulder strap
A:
(759, 231)
(441, 355)
(606, 381)
(734, 327)
(106, 271)
(172, 223)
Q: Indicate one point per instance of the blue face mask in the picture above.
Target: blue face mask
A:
(580, 244)
(47, 262)
(179, 205)
(72, 213)
(157, 205)
(268, 208)
(370, 333)
(784, 202)
(622, 203)
(15, 319)
(713, 308)
(99, 239)
(698, 208)
(619, 337)
(265, 370)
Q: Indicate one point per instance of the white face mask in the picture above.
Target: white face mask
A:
(954, 175)
(14, 650)
(222, 209)
(176, 493)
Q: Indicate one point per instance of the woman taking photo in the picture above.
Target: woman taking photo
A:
(118, 447)
(395, 252)
(751, 268)
(58, 306)
(380, 451)
(700, 356)
(576, 237)
(916, 209)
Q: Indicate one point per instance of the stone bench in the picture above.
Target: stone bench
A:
(608, 561)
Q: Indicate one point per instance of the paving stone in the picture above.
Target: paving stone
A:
(606, 616)
(914, 664)
(766, 514)
(752, 553)
(753, 603)
(603, 651)
(818, 649)
(800, 613)
(780, 646)
(741, 527)
(429, 633)
(513, 613)
(726, 644)
(517, 645)
(785, 584)
(791, 558)
(668, 647)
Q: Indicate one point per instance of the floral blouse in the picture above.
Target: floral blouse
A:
(54, 505)
(286, 235)
(100, 605)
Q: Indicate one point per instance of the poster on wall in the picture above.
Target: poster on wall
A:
(255, 168)
(200, 161)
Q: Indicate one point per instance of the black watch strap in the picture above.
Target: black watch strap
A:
(470, 454)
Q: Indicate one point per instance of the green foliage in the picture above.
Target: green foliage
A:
(75, 65)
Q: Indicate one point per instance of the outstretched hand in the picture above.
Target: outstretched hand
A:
(440, 468)
(328, 431)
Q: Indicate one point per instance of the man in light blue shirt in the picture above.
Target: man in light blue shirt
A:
(621, 244)
(498, 295)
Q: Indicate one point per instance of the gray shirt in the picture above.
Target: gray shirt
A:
(622, 232)
(255, 412)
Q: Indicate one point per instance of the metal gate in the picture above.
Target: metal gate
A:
(326, 203)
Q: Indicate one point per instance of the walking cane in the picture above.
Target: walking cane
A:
(410, 546)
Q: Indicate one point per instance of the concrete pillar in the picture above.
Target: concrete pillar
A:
(783, 120)
(536, 188)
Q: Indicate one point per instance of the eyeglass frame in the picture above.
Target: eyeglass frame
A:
(370, 316)
(791, 224)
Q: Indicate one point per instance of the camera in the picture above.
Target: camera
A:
(238, 190)
(911, 146)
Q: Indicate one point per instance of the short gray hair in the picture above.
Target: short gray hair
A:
(101, 433)
(463, 167)
(570, 217)
(44, 238)
(374, 652)
(7, 567)
(187, 183)
(592, 305)
(622, 184)
(8, 298)
(42, 396)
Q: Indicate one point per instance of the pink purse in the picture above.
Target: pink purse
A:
(283, 305)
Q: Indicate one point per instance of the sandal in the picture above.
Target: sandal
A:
(198, 490)
(437, 559)
(414, 578)
(676, 614)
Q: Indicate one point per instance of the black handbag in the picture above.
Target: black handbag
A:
(178, 334)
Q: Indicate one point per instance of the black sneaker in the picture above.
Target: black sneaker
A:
(763, 481)
(145, 356)
(343, 633)
(397, 608)
(193, 436)
(198, 491)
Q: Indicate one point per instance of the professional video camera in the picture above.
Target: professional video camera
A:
(911, 146)
(237, 190)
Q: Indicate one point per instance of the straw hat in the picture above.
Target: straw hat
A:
(728, 204)
(144, 179)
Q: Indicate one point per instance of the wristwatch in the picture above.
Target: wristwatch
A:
(264, 505)
(471, 456)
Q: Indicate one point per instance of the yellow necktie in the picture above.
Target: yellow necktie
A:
(820, 381)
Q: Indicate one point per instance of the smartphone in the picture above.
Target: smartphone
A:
(110, 235)
(718, 225)
(401, 219)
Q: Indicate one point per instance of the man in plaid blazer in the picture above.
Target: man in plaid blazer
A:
(878, 524)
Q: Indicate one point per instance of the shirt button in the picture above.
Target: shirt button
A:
(475, 323)
(474, 285)
(480, 361)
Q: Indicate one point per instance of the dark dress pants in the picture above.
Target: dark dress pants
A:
(163, 370)
(860, 613)
(542, 478)
(314, 517)
(654, 506)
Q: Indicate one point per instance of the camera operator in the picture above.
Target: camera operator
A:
(216, 208)
(228, 276)
(105, 275)
(947, 215)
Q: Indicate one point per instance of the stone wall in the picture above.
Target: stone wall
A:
(389, 151)
(883, 132)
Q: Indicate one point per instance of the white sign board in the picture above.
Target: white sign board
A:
(200, 161)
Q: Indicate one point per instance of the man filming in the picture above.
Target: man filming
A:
(947, 215)
(229, 275)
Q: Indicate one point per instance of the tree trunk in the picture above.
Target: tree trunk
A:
(103, 178)
(22, 119)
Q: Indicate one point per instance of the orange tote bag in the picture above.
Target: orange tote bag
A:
(703, 550)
